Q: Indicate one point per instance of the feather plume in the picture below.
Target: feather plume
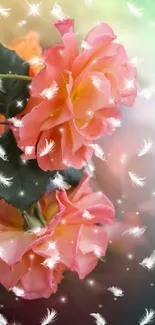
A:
(148, 318)
(138, 12)
(60, 183)
(99, 320)
(97, 150)
(4, 12)
(117, 292)
(5, 181)
(16, 122)
(146, 148)
(49, 318)
(135, 231)
(3, 154)
(136, 180)
(47, 148)
(3, 320)
(58, 13)
(50, 92)
(149, 262)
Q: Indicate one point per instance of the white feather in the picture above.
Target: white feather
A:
(135, 231)
(1, 86)
(4, 12)
(47, 148)
(3, 154)
(117, 292)
(17, 291)
(57, 12)
(97, 150)
(3, 320)
(136, 180)
(116, 123)
(90, 168)
(16, 122)
(60, 183)
(87, 215)
(146, 148)
(5, 181)
(50, 317)
(149, 262)
(99, 320)
(148, 318)
(50, 92)
(88, 3)
(138, 12)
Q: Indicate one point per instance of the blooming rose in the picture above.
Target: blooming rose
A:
(71, 239)
(76, 98)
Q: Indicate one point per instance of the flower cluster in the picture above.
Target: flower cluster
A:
(75, 98)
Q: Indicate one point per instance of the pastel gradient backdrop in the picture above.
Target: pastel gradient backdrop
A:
(138, 36)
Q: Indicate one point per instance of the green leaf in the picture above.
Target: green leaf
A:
(21, 184)
(13, 93)
(72, 176)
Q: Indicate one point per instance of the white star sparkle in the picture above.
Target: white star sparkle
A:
(34, 9)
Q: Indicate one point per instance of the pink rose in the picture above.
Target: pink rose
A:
(76, 98)
(71, 239)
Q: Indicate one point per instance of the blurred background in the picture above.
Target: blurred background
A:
(131, 149)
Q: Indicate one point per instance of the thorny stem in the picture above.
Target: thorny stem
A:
(15, 76)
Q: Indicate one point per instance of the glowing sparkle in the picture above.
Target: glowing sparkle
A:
(34, 9)
(63, 299)
(119, 201)
(91, 282)
(31, 256)
(19, 103)
(21, 193)
(111, 101)
(100, 306)
(24, 162)
(130, 256)
(61, 129)
(51, 245)
(129, 84)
